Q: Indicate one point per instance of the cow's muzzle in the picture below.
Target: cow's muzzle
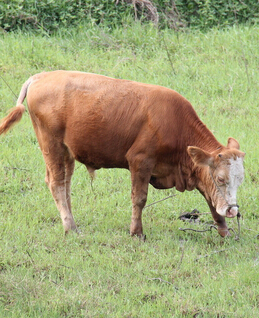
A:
(232, 211)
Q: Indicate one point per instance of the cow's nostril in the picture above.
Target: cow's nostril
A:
(231, 212)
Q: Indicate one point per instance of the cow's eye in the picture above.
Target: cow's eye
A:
(221, 180)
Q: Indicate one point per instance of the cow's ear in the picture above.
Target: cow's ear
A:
(200, 157)
(233, 143)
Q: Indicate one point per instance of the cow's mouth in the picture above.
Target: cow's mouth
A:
(231, 212)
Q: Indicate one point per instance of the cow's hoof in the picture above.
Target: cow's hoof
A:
(69, 225)
(141, 237)
(72, 228)
(224, 232)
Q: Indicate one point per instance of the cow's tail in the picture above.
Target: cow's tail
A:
(15, 113)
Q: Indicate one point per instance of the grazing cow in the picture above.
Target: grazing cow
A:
(110, 123)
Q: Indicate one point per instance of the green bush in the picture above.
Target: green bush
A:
(204, 14)
(53, 14)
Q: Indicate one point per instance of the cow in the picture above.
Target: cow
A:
(152, 131)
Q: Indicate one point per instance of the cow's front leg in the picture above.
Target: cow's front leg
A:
(138, 198)
(139, 192)
(220, 222)
(219, 219)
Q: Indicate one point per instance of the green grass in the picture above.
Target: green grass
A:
(103, 272)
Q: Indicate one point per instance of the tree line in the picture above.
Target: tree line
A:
(50, 15)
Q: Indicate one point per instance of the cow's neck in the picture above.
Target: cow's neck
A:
(199, 136)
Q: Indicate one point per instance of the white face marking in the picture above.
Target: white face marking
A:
(237, 168)
(229, 190)
(236, 176)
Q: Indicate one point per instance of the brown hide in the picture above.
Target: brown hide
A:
(110, 123)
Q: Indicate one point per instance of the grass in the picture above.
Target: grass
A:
(103, 272)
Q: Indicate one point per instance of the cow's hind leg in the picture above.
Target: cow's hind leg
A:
(59, 170)
(69, 166)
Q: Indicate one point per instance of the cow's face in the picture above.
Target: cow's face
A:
(222, 172)
(227, 175)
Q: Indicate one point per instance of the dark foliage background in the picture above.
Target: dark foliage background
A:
(49, 15)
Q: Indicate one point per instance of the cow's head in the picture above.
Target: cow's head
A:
(221, 173)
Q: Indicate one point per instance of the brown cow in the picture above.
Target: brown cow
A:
(110, 123)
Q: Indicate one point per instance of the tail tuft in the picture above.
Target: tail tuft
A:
(12, 118)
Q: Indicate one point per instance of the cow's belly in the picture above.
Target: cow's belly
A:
(101, 156)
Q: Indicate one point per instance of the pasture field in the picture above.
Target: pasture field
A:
(102, 271)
